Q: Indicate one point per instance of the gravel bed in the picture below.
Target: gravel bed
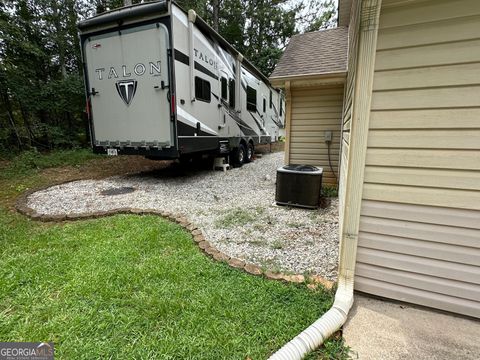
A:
(235, 210)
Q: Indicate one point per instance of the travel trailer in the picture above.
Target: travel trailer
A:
(160, 82)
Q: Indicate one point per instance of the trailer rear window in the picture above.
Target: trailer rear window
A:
(231, 86)
(271, 99)
(224, 89)
(202, 90)
(251, 99)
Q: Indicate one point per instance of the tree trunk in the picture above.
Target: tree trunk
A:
(216, 11)
(26, 122)
(59, 37)
(8, 105)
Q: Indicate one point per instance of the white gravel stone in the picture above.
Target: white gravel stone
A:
(234, 209)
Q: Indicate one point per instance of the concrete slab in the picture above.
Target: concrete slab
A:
(380, 329)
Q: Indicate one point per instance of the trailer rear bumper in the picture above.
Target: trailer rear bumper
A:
(157, 153)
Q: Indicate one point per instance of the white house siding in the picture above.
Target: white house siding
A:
(314, 111)
(419, 237)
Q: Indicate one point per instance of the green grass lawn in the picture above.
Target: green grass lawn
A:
(137, 287)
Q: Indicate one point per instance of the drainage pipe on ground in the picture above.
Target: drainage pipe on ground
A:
(365, 19)
(313, 336)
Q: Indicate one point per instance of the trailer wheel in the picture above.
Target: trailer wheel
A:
(238, 155)
(249, 153)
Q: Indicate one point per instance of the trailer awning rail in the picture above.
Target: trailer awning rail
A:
(124, 13)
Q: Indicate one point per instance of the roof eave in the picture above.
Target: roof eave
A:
(328, 77)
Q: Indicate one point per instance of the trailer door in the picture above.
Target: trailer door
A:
(126, 70)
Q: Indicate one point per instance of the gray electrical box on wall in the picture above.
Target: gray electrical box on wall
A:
(328, 136)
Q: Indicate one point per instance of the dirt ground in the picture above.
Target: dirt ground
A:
(122, 165)
(102, 168)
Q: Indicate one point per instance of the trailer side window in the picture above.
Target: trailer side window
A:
(251, 99)
(231, 89)
(202, 89)
(271, 99)
(224, 89)
(264, 104)
(281, 107)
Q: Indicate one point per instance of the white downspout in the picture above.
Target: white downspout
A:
(192, 16)
(312, 337)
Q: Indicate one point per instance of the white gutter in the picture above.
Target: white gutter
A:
(367, 15)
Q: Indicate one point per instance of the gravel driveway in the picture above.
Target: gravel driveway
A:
(235, 211)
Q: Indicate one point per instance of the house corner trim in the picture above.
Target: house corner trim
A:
(368, 30)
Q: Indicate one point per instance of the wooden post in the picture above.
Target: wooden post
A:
(288, 120)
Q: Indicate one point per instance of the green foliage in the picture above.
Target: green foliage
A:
(332, 349)
(28, 162)
(105, 5)
(239, 217)
(329, 191)
(261, 29)
(42, 98)
(41, 86)
(137, 287)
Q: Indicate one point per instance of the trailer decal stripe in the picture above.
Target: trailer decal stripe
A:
(262, 130)
(205, 70)
(183, 58)
(189, 118)
(188, 130)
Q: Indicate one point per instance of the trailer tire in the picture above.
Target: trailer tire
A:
(249, 153)
(238, 155)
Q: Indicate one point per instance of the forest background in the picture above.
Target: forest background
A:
(42, 98)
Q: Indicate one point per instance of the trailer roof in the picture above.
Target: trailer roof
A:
(123, 13)
(202, 24)
(142, 9)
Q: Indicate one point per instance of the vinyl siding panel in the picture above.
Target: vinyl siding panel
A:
(416, 12)
(315, 111)
(424, 282)
(429, 55)
(462, 139)
(424, 158)
(422, 195)
(419, 296)
(455, 118)
(406, 250)
(437, 98)
(431, 178)
(423, 214)
(435, 76)
(447, 30)
(419, 238)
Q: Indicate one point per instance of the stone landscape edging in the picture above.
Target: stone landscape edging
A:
(197, 236)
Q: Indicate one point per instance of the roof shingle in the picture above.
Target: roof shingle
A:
(314, 53)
